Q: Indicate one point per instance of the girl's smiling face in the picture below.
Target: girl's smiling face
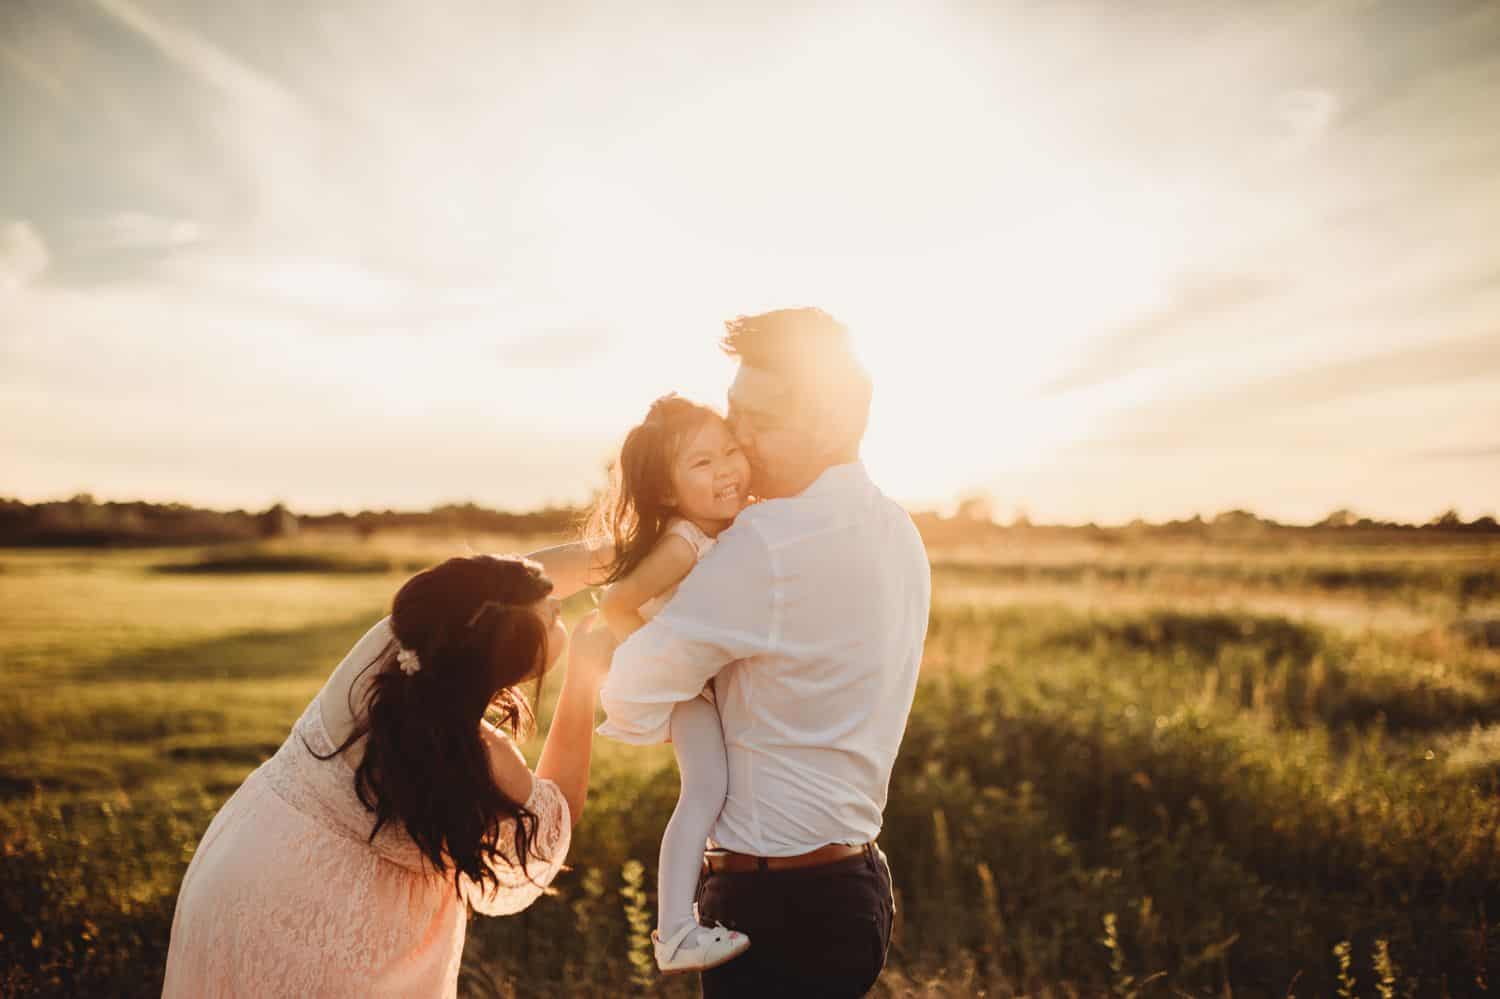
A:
(710, 476)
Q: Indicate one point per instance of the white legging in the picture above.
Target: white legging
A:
(698, 740)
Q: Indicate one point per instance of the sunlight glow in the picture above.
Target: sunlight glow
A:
(1070, 247)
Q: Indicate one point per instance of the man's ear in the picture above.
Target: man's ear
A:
(841, 409)
(831, 429)
(827, 434)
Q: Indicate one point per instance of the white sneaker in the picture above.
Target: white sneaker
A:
(710, 948)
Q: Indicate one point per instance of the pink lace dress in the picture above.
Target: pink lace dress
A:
(285, 896)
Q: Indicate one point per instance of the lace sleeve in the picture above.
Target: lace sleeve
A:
(554, 833)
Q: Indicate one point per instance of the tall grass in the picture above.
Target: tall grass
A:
(1132, 803)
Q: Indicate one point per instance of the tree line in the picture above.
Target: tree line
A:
(85, 522)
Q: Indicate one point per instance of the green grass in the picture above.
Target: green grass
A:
(1142, 782)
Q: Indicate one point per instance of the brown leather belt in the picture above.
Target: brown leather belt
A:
(729, 862)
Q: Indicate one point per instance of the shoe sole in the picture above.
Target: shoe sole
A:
(703, 967)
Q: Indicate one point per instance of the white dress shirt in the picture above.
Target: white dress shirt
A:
(811, 612)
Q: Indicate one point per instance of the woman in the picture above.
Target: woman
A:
(347, 863)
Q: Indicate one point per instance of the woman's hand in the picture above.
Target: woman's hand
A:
(590, 649)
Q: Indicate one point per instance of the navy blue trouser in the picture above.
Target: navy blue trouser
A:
(814, 931)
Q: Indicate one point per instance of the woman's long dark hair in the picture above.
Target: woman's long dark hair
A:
(425, 765)
(634, 513)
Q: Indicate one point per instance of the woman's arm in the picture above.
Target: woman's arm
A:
(663, 568)
(566, 753)
(574, 566)
(343, 697)
(570, 740)
(512, 775)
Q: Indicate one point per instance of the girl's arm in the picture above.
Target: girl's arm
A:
(666, 565)
(512, 775)
(574, 566)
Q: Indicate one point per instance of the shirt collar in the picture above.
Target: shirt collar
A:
(839, 479)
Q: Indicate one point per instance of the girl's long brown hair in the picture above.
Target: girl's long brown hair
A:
(634, 512)
(425, 764)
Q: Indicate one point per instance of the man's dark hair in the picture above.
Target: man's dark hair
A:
(813, 351)
(786, 340)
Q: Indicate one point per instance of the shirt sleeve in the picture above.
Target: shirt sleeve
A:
(725, 610)
(515, 890)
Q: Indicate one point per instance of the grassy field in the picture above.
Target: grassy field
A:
(1130, 770)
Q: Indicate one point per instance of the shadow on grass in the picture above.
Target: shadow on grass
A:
(240, 563)
(258, 655)
(140, 718)
(247, 753)
(1202, 636)
(20, 785)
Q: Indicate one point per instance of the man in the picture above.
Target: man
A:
(809, 616)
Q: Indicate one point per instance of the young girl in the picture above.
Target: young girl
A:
(680, 481)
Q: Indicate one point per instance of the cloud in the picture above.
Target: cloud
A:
(1307, 115)
(1196, 302)
(561, 348)
(122, 246)
(134, 230)
(23, 255)
(208, 62)
(1482, 453)
(1455, 289)
(36, 72)
(1444, 362)
(1281, 411)
(332, 292)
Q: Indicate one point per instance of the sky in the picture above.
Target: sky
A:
(1104, 260)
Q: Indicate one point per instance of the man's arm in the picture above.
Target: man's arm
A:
(723, 611)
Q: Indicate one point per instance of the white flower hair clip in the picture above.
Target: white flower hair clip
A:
(408, 661)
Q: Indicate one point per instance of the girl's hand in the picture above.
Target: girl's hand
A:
(590, 649)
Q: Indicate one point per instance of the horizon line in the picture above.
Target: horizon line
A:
(1021, 520)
